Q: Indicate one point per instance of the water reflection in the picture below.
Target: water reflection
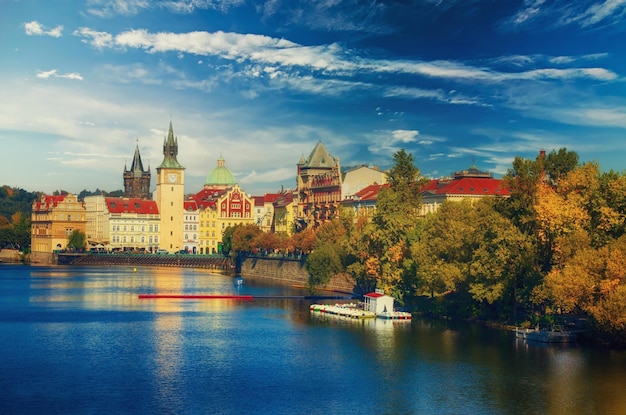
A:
(79, 340)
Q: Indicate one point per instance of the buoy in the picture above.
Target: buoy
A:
(134, 269)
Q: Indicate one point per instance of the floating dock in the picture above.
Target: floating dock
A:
(343, 310)
(353, 311)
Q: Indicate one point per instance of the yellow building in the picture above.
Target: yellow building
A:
(53, 220)
(221, 203)
(170, 195)
(284, 214)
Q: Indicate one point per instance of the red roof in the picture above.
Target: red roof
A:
(374, 295)
(190, 205)
(131, 205)
(49, 201)
(370, 192)
(467, 186)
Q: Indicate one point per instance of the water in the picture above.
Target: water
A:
(78, 340)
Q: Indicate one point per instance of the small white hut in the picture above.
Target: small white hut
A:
(378, 302)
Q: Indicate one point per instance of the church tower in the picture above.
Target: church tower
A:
(170, 195)
(137, 180)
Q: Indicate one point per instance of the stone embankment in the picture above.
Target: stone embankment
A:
(290, 270)
(184, 261)
(285, 269)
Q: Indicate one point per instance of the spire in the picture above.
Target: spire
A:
(170, 150)
(137, 165)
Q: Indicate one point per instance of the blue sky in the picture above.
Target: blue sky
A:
(261, 82)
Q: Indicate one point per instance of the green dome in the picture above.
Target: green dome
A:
(220, 176)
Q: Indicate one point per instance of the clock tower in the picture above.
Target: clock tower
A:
(170, 195)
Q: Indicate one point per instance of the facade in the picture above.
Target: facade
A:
(191, 223)
(137, 180)
(467, 184)
(284, 214)
(264, 211)
(53, 220)
(219, 209)
(134, 224)
(319, 188)
(357, 178)
(170, 195)
(97, 230)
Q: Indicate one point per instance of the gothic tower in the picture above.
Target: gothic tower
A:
(170, 195)
(137, 180)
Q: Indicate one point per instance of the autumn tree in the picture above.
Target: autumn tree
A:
(592, 282)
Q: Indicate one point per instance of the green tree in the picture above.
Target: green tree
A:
(77, 240)
(386, 259)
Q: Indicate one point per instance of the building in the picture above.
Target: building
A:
(319, 188)
(53, 219)
(221, 203)
(191, 223)
(137, 180)
(170, 195)
(377, 302)
(284, 214)
(466, 184)
(358, 178)
(97, 230)
(264, 211)
(134, 224)
(363, 202)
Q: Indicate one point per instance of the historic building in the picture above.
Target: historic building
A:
(319, 187)
(466, 184)
(137, 180)
(170, 195)
(53, 219)
(221, 203)
(134, 224)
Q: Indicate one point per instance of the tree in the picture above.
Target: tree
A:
(77, 240)
(386, 259)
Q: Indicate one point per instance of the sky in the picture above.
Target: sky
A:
(260, 82)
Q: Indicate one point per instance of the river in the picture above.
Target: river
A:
(78, 340)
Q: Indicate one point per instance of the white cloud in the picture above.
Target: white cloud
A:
(53, 73)
(34, 28)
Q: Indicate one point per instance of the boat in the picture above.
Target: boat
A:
(547, 333)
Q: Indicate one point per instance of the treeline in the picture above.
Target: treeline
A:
(15, 212)
(555, 247)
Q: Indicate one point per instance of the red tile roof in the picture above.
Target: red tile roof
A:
(370, 192)
(466, 186)
(374, 295)
(131, 205)
(48, 202)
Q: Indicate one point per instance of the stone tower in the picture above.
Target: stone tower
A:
(137, 180)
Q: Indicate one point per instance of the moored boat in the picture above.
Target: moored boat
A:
(546, 333)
